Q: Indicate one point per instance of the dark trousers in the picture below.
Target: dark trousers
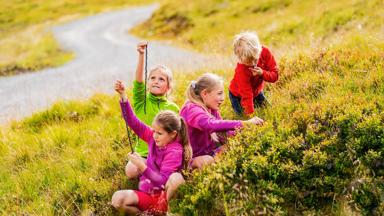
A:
(258, 101)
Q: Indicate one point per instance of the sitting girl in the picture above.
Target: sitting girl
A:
(201, 113)
(168, 152)
(147, 105)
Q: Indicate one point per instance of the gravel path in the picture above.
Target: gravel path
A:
(104, 52)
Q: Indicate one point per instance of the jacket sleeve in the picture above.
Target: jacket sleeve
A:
(173, 107)
(138, 94)
(141, 129)
(270, 72)
(224, 136)
(246, 91)
(170, 164)
(199, 118)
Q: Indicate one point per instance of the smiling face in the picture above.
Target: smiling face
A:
(214, 98)
(162, 137)
(158, 83)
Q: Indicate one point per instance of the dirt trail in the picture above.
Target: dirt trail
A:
(104, 52)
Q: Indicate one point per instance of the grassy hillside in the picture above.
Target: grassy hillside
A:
(319, 153)
(25, 43)
(209, 26)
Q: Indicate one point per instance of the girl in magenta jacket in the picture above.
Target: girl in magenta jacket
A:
(168, 152)
(201, 113)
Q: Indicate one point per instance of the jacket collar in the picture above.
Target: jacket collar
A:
(240, 65)
(156, 99)
(169, 145)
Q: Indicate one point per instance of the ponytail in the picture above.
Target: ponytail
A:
(183, 135)
(193, 94)
(207, 81)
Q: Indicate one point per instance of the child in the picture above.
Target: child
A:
(201, 113)
(169, 151)
(256, 64)
(159, 85)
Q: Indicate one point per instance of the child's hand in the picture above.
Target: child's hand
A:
(255, 120)
(256, 71)
(214, 137)
(119, 87)
(141, 47)
(138, 161)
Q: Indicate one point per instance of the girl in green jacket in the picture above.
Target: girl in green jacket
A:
(159, 84)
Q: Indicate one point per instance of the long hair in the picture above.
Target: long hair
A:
(247, 47)
(207, 81)
(167, 72)
(170, 121)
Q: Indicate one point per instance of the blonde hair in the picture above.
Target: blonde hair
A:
(170, 121)
(247, 47)
(207, 81)
(167, 72)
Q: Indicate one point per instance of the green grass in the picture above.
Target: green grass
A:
(209, 26)
(321, 146)
(319, 153)
(30, 56)
(25, 43)
(73, 154)
(64, 160)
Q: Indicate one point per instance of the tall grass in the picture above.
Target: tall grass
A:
(326, 114)
(320, 148)
(66, 160)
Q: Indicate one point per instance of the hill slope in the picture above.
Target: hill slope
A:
(209, 26)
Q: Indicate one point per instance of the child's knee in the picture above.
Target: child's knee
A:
(208, 160)
(123, 198)
(131, 171)
(174, 181)
(201, 161)
(117, 199)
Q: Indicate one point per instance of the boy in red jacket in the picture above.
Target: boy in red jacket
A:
(256, 64)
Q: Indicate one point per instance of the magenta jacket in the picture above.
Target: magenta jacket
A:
(200, 126)
(161, 161)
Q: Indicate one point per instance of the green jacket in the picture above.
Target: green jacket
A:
(154, 105)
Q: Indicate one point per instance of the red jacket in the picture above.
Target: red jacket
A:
(246, 86)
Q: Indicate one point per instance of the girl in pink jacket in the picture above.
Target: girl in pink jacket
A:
(168, 152)
(201, 113)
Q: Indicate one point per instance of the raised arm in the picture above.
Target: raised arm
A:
(138, 85)
(140, 62)
(141, 129)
